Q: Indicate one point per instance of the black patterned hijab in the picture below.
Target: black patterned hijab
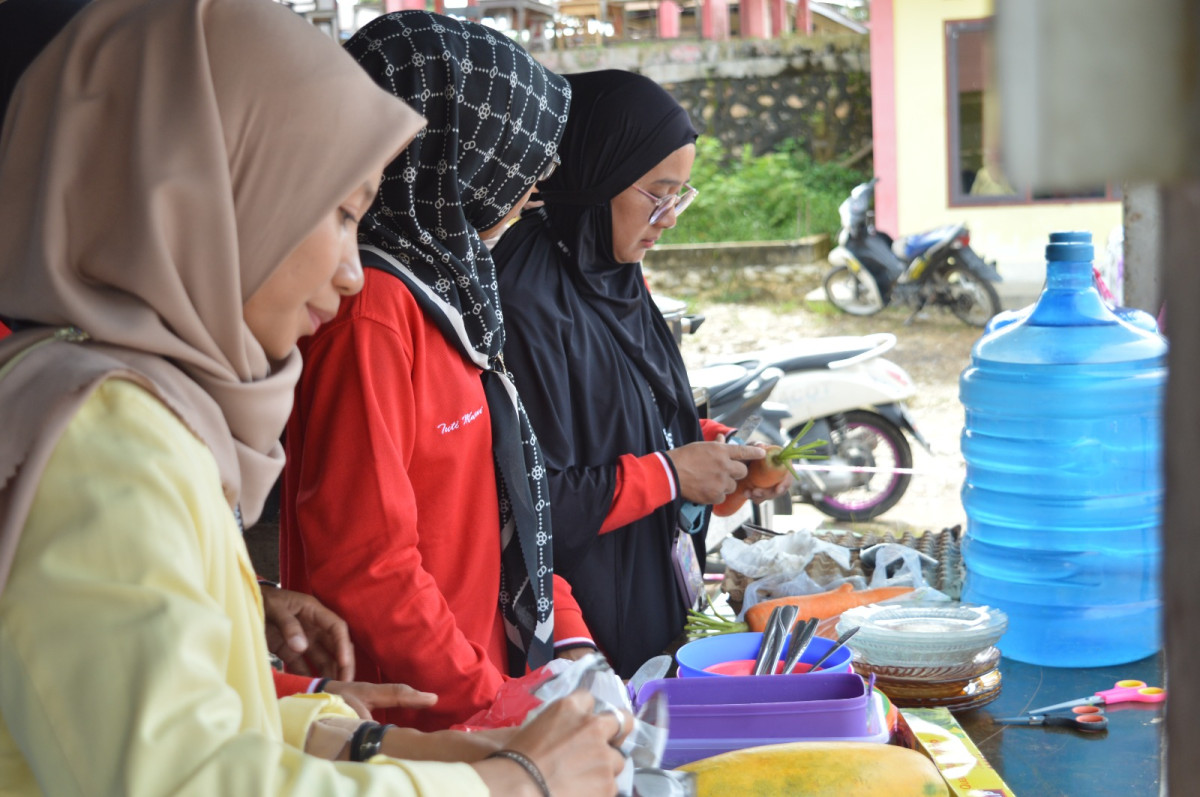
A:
(494, 120)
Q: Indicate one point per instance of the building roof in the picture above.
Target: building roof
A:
(833, 15)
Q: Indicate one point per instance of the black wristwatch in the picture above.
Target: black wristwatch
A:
(367, 741)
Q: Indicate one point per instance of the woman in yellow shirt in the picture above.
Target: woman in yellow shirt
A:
(180, 183)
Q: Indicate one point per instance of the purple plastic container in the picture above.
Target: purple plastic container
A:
(777, 707)
(684, 751)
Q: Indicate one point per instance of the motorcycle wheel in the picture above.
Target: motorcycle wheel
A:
(867, 439)
(850, 292)
(973, 300)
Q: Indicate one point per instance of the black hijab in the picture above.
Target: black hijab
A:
(622, 125)
(596, 363)
(495, 117)
(26, 27)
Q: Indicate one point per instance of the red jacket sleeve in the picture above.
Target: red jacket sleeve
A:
(287, 683)
(710, 429)
(356, 510)
(643, 484)
(570, 631)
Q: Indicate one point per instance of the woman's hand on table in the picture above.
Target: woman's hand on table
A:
(365, 698)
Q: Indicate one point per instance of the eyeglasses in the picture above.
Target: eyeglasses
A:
(662, 204)
(550, 167)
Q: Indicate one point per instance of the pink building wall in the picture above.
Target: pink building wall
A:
(883, 115)
(755, 22)
(668, 19)
(803, 18)
(714, 20)
(779, 18)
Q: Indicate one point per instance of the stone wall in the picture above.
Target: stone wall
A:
(815, 89)
(760, 271)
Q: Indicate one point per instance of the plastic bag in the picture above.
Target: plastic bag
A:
(514, 701)
(520, 700)
(785, 562)
(787, 554)
(894, 566)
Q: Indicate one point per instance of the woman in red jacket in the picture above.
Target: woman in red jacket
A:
(414, 499)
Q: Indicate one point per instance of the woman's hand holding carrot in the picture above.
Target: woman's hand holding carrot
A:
(710, 471)
(772, 474)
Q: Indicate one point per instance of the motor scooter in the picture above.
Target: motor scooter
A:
(856, 400)
(934, 268)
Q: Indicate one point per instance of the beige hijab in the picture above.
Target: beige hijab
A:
(158, 161)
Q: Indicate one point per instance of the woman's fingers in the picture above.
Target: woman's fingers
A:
(378, 696)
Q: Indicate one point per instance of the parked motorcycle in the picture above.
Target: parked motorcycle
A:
(675, 313)
(854, 396)
(935, 268)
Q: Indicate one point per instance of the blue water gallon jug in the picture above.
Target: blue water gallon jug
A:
(1063, 491)
(1130, 315)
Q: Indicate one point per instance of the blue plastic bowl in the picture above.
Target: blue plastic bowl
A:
(699, 654)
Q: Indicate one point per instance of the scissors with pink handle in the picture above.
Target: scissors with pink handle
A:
(1124, 692)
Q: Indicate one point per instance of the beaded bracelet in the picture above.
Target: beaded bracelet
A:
(527, 765)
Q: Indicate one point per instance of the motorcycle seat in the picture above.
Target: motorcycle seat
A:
(910, 246)
(803, 355)
(724, 379)
(815, 360)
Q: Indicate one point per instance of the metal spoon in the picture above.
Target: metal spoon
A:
(787, 618)
(801, 636)
(836, 647)
(768, 648)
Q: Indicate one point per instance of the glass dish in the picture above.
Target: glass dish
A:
(923, 635)
(984, 660)
(972, 693)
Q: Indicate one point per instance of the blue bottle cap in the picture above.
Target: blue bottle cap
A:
(1075, 237)
(1075, 252)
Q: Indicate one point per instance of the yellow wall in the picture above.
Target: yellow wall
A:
(1014, 236)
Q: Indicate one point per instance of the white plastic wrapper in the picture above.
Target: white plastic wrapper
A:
(778, 566)
(786, 554)
(643, 747)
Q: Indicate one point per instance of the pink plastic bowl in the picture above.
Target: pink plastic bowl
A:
(698, 657)
(744, 666)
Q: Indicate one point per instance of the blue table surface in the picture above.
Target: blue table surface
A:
(1044, 762)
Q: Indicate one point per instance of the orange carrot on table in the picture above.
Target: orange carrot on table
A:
(822, 605)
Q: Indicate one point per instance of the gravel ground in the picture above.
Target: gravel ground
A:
(934, 349)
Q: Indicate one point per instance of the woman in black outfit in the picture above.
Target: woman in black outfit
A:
(632, 469)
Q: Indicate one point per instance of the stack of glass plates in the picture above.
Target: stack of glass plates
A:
(929, 655)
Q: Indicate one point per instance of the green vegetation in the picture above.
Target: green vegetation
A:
(778, 196)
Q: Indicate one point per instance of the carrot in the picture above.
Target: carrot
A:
(823, 604)
(732, 503)
(766, 472)
(769, 471)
